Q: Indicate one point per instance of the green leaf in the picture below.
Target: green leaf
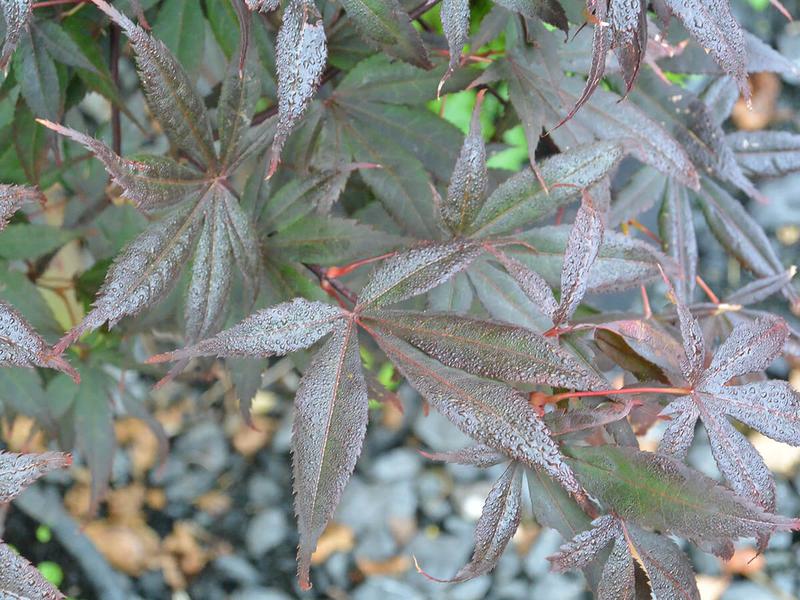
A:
(38, 78)
(181, 26)
(384, 23)
(30, 241)
(329, 241)
(660, 492)
(521, 200)
(94, 428)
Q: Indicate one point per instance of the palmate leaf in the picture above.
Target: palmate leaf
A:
(486, 348)
(676, 227)
(171, 96)
(16, 14)
(607, 117)
(22, 346)
(477, 456)
(489, 412)
(301, 56)
(667, 568)
(329, 427)
(496, 526)
(653, 490)
(384, 23)
(12, 197)
(262, 5)
(20, 579)
(749, 348)
(621, 262)
(602, 40)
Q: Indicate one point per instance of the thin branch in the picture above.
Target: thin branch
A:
(116, 125)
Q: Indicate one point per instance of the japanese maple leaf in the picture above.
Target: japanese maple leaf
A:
(200, 217)
(771, 407)
(668, 570)
(19, 578)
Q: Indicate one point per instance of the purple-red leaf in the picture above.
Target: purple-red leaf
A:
(666, 566)
(477, 456)
(602, 40)
(20, 580)
(585, 546)
(210, 285)
(18, 471)
(301, 56)
(583, 245)
(676, 227)
(14, 196)
(496, 526)
(263, 5)
(771, 407)
(16, 14)
(530, 282)
(470, 179)
(416, 271)
(712, 24)
(280, 329)
(455, 24)
(330, 422)
(618, 581)
(153, 183)
(145, 271)
(766, 153)
(487, 348)
(22, 346)
(170, 93)
(749, 348)
(629, 24)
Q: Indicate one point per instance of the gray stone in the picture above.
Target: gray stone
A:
(441, 557)
(263, 491)
(474, 589)
(558, 586)
(235, 568)
(438, 433)
(376, 544)
(383, 588)
(266, 531)
(204, 445)
(260, 593)
(396, 465)
(536, 563)
(747, 590)
(366, 505)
